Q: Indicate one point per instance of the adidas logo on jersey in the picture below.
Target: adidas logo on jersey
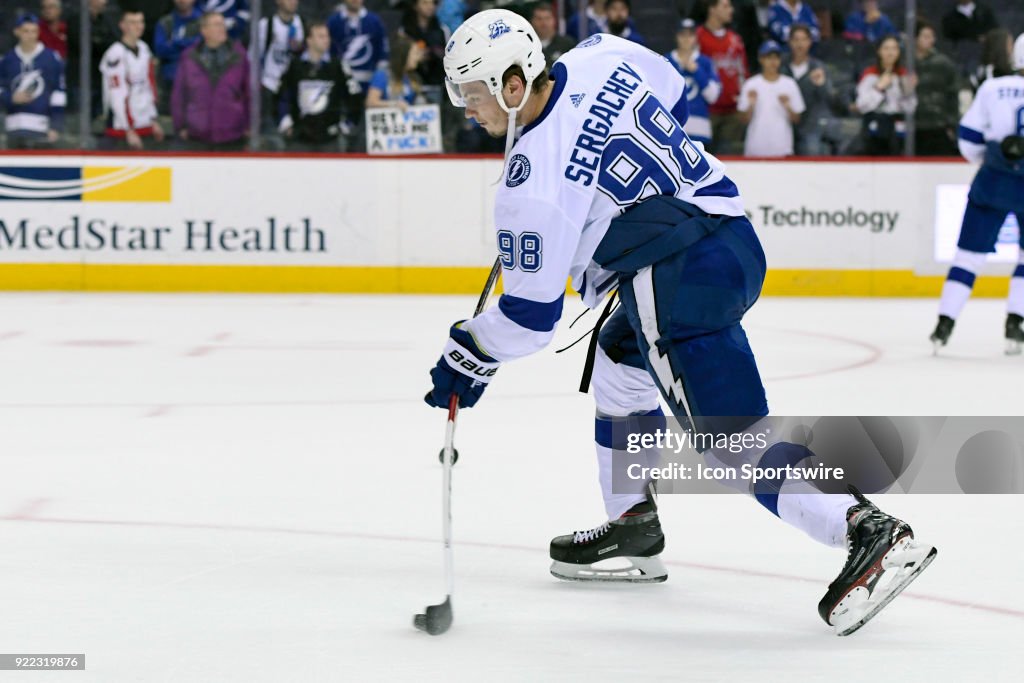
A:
(576, 99)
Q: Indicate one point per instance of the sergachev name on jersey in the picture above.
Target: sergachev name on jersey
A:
(608, 105)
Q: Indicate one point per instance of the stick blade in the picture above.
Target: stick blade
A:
(437, 620)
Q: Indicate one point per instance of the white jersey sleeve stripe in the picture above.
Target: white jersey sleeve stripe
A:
(504, 339)
(533, 315)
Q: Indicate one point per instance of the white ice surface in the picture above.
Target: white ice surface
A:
(246, 488)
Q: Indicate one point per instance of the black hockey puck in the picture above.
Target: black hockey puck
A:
(455, 456)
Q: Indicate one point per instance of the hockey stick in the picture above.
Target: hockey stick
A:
(438, 618)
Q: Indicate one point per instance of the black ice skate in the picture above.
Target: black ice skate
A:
(943, 329)
(1014, 334)
(625, 549)
(882, 560)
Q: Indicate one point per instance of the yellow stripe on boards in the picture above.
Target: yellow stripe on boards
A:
(138, 185)
(417, 280)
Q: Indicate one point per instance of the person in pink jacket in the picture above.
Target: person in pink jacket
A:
(210, 100)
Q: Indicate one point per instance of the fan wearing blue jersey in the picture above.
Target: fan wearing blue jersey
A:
(32, 89)
(991, 133)
(702, 83)
(602, 186)
(359, 39)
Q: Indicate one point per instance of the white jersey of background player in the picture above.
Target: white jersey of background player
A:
(602, 173)
(992, 134)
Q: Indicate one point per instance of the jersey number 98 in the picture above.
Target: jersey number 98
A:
(523, 252)
(659, 162)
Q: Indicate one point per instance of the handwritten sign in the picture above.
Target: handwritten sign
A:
(417, 130)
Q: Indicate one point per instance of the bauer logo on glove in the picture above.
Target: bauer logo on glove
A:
(464, 369)
(483, 373)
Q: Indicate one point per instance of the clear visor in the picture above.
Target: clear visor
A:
(469, 95)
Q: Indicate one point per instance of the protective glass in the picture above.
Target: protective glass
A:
(472, 94)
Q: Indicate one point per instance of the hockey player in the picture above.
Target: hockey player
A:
(129, 86)
(992, 133)
(603, 186)
(32, 88)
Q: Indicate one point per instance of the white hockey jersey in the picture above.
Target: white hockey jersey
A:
(610, 135)
(996, 113)
(129, 88)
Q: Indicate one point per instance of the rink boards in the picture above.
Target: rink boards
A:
(423, 225)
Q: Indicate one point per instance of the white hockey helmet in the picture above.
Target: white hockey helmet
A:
(1018, 53)
(485, 46)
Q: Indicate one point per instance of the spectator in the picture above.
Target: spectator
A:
(996, 48)
(885, 96)
(451, 13)
(151, 11)
(596, 21)
(784, 13)
(53, 30)
(129, 93)
(770, 103)
(542, 18)
(236, 16)
(104, 31)
(702, 84)
(420, 25)
(868, 24)
(619, 22)
(937, 114)
(324, 101)
(725, 49)
(280, 38)
(210, 101)
(751, 22)
(175, 33)
(968, 20)
(816, 122)
(358, 37)
(32, 89)
(399, 84)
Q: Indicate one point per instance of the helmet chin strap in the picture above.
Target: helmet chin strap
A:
(510, 135)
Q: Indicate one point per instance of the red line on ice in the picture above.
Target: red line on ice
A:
(28, 510)
(950, 602)
(874, 354)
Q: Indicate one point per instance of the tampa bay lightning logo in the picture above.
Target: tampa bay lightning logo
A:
(591, 41)
(518, 171)
(498, 28)
(29, 82)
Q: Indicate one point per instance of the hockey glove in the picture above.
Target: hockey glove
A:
(1013, 147)
(463, 370)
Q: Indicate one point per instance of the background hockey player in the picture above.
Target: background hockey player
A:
(603, 186)
(991, 133)
(32, 89)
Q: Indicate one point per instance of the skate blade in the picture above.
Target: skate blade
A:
(1013, 347)
(900, 566)
(638, 570)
